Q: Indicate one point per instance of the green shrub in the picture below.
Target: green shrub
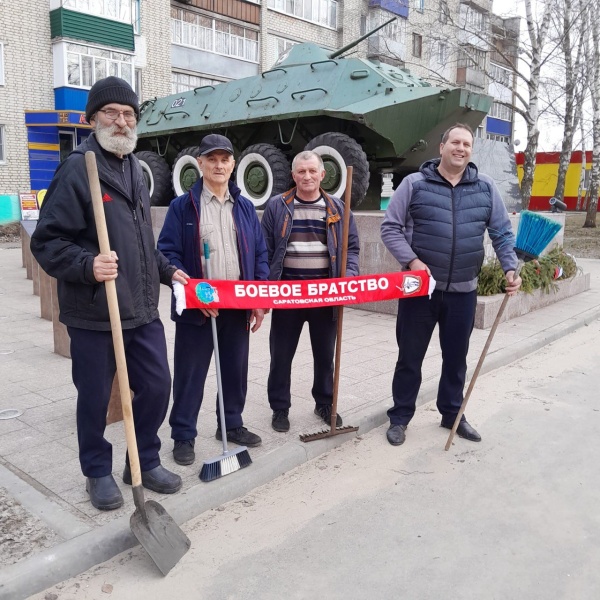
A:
(537, 274)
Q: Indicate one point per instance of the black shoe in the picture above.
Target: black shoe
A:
(183, 452)
(240, 436)
(104, 492)
(396, 435)
(158, 480)
(464, 430)
(280, 421)
(325, 413)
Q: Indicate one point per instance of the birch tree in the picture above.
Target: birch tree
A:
(592, 208)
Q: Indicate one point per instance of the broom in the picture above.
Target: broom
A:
(535, 232)
(231, 460)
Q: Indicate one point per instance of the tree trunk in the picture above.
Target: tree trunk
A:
(592, 209)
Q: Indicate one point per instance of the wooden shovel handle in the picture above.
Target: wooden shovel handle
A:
(115, 321)
(340, 319)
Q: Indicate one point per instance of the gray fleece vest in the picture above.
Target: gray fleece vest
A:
(449, 225)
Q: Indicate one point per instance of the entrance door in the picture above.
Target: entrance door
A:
(67, 143)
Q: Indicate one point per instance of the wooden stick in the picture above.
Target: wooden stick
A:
(340, 319)
(115, 322)
(463, 406)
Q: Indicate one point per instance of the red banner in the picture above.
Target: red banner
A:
(204, 293)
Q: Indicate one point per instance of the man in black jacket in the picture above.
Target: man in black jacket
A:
(65, 243)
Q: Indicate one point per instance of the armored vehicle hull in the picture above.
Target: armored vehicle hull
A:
(375, 117)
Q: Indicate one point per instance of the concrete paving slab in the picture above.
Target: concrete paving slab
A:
(40, 383)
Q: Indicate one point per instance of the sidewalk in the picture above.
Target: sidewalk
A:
(42, 493)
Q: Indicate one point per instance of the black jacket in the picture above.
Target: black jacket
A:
(65, 243)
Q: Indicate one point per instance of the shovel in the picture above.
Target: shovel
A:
(153, 527)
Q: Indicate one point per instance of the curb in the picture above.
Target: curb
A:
(78, 554)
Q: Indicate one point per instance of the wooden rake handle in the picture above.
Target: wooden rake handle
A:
(115, 322)
(340, 319)
(484, 352)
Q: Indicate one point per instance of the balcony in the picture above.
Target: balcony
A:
(397, 7)
(470, 76)
(380, 46)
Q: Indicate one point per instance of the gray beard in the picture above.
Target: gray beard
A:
(117, 144)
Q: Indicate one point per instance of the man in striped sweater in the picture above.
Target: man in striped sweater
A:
(303, 232)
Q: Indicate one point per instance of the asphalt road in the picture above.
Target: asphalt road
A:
(515, 516)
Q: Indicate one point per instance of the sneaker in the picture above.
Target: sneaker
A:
(240, 436)
(325, 413)
(280, 421)
(183, 452)
(158, 480)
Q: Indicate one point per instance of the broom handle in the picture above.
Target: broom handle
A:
(115, 322)
(340, 319)
(213, 324)
(463, 406)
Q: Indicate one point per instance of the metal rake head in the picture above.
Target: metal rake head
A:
(309, 437)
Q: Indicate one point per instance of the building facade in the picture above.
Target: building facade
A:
(52, 52)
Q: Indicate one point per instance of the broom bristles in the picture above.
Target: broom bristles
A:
(230, 462)
(535, 232)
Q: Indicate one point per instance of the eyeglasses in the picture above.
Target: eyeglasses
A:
(113, 114)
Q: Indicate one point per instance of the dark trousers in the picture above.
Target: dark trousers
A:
(417, 318)
(94, 367)
(193, 353)
(286, 327)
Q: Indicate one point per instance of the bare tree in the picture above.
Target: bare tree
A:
(573, 85)
(592, 208)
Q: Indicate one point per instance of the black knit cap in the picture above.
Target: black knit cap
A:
(107, 90)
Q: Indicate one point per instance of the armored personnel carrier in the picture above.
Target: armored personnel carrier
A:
(352, 111)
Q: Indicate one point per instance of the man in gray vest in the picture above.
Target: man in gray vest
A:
(436, 221)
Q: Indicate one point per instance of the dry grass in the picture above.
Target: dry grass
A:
(579, 241)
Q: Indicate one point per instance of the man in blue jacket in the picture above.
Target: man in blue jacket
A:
(436, 221)
(213, 211)
(303, 232)
(65, 243)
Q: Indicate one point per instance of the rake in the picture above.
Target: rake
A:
(231, 460)
(535, 232)
(310, 437)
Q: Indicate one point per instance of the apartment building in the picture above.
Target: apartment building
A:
(52, 52)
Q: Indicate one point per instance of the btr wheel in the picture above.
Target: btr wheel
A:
(157, 176)
(339, 151)
(186, 170)
(262, 171)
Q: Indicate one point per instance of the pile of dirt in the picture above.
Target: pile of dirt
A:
(10, 233)
(580, 241)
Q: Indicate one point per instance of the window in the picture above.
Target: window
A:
(137, 83)
(198, 31)
(419, 5)
(323, 12)
(282, 47)
(501, 111)
(86, 65)
(472, 57)
(444, 12)
(2, 144)
(137, 17)
(182, 82)
(442, 53)
(118, 10)
(417, 45)
(499, 138)
(501, 75)
(393, 31)
(475, 20)
(1, 63)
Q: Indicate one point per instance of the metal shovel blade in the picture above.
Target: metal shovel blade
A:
(159, 535)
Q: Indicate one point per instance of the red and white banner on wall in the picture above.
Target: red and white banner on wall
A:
(204, 293)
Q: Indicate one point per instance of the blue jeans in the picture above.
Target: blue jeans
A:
(454, 313)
